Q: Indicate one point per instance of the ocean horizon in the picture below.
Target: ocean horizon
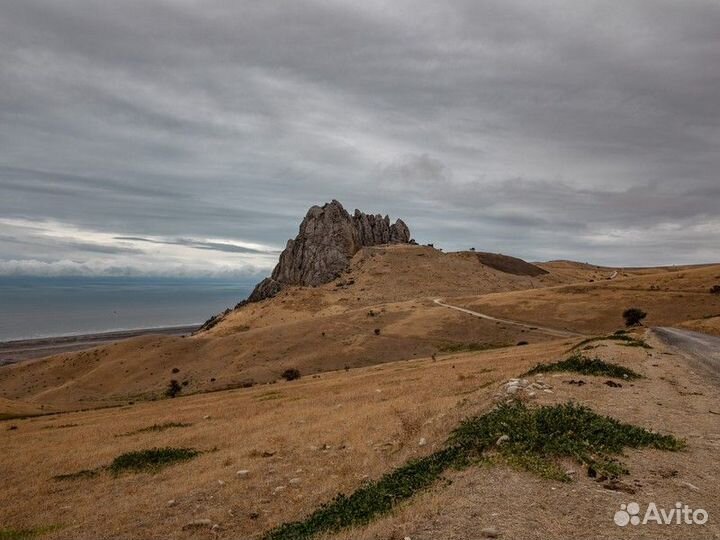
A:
(41, 307)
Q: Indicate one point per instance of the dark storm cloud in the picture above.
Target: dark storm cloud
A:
(584, 130)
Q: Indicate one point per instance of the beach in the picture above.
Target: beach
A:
(15, 351)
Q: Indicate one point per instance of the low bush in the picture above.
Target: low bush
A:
(621, 335)
(578, 363)
(173, 389)
(158, 428)
(536, 439)
(634, 316)
(151, 460)
(291, 374)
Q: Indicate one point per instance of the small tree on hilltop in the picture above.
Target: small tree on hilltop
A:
(634, 316)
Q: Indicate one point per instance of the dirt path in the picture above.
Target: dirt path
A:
(550, 331)
(702, 349)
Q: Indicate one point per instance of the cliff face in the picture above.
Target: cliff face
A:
(327, 240)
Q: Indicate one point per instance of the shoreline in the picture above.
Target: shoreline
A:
(19, 350)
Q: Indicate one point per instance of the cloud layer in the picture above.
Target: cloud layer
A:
(158, 137)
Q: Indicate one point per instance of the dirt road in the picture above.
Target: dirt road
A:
(704, 349)
(550, 331)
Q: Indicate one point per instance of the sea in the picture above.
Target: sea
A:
(38, 307)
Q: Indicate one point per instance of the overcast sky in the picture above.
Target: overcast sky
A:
(190, 137)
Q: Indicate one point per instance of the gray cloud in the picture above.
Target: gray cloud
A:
(575, 130)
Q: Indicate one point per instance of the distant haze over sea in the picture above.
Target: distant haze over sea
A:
(34, 307)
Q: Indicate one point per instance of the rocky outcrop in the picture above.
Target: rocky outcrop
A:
(322, 250)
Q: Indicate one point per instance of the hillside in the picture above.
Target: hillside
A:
(313, 329)
(275, 453)
(379, 310)
(669, 296)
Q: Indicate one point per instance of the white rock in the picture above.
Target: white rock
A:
(422, 441)
(242, 472)
(221, 483)
(691, 486)
(502, 439)
(294, 480)
(489, 532)
(206, 417)
(198, 524)
(171, 502)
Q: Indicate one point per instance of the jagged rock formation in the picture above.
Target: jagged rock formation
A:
(322, 250)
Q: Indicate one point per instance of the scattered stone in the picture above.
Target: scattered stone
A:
(422, 441)
(279, 489)
(198, 524)
(502, 439)
(691, 486)
(616, 485)
(489, 532)
(613, 384)
(206, 417)
(579, 382)
(242, 472)
(294, 481)
(221, 482)
(171, 502)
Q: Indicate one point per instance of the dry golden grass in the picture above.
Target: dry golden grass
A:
(336, 428)
(669, 298)
(10, 408)
(304, 441)
(311, 329)
(707, 325)
(333, 430)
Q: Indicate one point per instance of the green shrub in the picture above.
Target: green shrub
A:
(577, 363)
(620, 335)
(151, 460)
(536, 439)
